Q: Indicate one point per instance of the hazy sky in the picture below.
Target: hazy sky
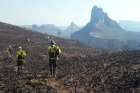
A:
(62, 12)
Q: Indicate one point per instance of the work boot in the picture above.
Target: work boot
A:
(54, 75)
(50, 75)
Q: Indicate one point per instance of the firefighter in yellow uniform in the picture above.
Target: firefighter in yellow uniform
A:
(20, 55)
(54, 51)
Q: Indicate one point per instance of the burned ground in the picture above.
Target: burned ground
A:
(80, 69)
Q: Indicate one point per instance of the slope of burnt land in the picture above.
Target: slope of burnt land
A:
(80, 69)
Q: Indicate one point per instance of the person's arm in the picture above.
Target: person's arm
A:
(49, 49)
(60, 51)
(24, 53)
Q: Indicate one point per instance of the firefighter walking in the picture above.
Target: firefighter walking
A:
(53, 51)
(20, 55)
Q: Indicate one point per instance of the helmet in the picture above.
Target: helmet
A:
(52, 42)
(19, 47)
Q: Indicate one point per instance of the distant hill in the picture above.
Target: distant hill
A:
(130, 25)
(103, 32)
(47, 28)
(64, 32)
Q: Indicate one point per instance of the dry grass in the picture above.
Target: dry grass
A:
(80, 69)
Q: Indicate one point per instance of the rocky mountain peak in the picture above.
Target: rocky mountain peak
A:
(72, 24)
(98, 16)
(72, 27)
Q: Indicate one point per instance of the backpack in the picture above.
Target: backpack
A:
(54, 51)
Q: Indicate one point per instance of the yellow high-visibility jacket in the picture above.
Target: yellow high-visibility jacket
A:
(20, 54)
(54, 50)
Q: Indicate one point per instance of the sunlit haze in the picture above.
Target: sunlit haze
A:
(63, 12)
